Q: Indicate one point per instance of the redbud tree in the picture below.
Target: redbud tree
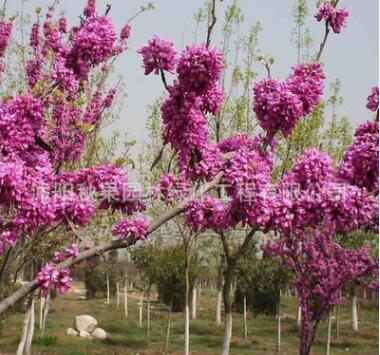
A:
(46, 127)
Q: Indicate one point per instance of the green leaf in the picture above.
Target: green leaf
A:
(120, 161)
(86, 128)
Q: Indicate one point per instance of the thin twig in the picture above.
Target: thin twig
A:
(212, 24)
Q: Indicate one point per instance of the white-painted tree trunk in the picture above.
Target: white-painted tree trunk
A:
(299, 312)
(194, 304)
(45, 313)
(354, 311)
(168, 329)
(117, 295)
(140, 311)
(148, 316)
(108, 290)
(337, 322)
(328, 334)
(125, 302)
(29, 338)
(245, 317)
(219, 307)
(187, 329)
(279, 324)
(42, 303)
(26, 329)
(227, 334)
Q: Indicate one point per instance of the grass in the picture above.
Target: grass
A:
(126, 337)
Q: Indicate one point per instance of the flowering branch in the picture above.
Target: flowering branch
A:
(117, 244)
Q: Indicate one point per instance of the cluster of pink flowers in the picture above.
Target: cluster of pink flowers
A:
(33, 151)
(311, 196)
(205, 213)
(360, 165)
(171, 188)
(279, 105)
(158, 54)
(5, 34)
(194, 94)
(313, 168)
(21, 119)
(71, 251)
(322, 268)
(335, 18)
(131, 228)
(49, 277)
(373, 99)
(199, 68)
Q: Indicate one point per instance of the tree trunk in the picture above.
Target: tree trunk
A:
(328, 335)
(125, 302)
(168, 328)
(279, 323)
(354, 310)
(307, 338)
(245, 317)
(29, 338)
(108, 290)
(194, 304)
(187, 290)
(42, 303)
(117, 295)
(45, 313)
(219, 307)
(364, 293)
(148, 315)
(227, 299)
(27, 328)
(337, 322)
(140, 311)
(299, 312)
(220, 296)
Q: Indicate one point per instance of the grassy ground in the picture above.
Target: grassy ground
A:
(126, 337)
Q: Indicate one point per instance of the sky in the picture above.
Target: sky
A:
(351, 56)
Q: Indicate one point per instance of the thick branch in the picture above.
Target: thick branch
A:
(116, 244)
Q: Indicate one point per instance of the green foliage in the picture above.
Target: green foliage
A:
(164, 267)
(95, 278)
(260, 280)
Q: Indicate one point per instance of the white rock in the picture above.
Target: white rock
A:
(84, 334)
(85, 322)
(71, 331)
(99, 333)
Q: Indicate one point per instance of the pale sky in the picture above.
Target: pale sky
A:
(351, 56)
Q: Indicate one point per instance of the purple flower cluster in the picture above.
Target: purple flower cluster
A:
(199, 68)
(49, 277)
(373, 99)
(21, 119)
(322, 268)
(5, 34)
(71, 251)
(360, 165)
(335, 18)
(131, 228)
(207, 212)
(158, 54)
(279, 105)
(171, 188)
(313, 169)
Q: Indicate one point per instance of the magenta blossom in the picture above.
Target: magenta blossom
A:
(373, 99)
(158, 54)
(131, 228)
